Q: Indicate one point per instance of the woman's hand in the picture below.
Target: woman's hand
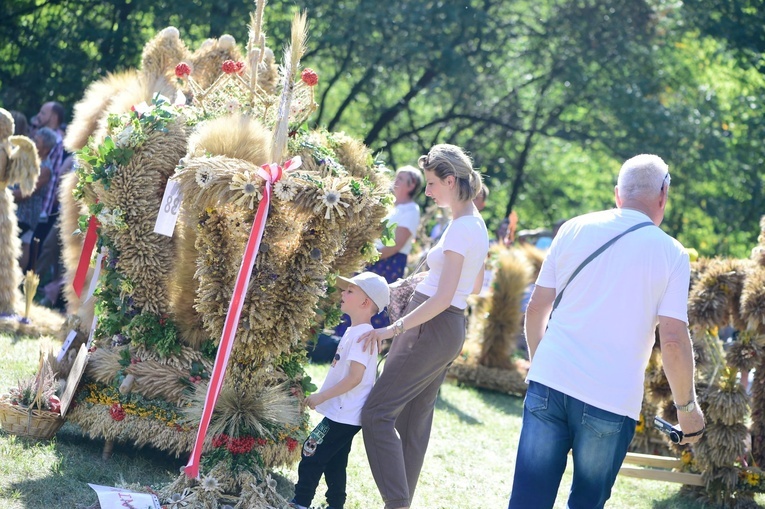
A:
(375, 336)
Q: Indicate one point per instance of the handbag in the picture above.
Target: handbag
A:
(401, 292)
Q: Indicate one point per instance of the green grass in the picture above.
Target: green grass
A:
(469, 463)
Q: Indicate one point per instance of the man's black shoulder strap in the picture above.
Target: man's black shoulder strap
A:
(593, 256)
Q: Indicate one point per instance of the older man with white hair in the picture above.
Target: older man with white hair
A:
(622, 276)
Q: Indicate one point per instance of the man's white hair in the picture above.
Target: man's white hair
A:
(642, 177)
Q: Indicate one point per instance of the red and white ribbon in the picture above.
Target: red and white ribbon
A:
(87, 251)
(271, 173)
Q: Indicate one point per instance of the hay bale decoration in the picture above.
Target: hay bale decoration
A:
(249, 274)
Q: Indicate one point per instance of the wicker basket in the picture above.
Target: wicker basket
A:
(26, 422)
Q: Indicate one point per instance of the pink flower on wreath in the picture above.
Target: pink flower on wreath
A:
(182, 70)
(309, 77)
(230, 67)
(117, 412)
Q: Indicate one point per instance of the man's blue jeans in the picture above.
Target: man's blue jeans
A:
(553, 424)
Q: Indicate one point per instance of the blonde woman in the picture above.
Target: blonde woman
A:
(398, 414)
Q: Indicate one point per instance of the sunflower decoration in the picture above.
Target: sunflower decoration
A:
(246, 183)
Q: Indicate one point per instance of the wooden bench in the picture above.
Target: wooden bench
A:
(657, 468)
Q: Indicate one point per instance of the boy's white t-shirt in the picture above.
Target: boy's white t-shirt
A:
(346, 408)
(405, 215)
(466, 235)
(600, 337)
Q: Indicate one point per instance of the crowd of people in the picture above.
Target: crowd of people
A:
(38, 213)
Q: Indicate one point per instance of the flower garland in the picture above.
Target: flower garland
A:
(121, 405)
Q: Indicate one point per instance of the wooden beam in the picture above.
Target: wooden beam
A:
(649, 460)
(661, 475)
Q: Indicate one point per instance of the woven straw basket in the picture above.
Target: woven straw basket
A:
(27, 422)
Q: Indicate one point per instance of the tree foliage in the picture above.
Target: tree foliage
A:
(548, 96)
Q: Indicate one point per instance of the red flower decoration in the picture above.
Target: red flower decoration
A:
(182, 70)
(230, 67)
(220, 440)
(262, 442)
(291, 444)
(241, 445)
(117, 412)
(309, 77)
(54, 404)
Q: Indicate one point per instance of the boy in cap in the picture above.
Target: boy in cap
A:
(343, 394)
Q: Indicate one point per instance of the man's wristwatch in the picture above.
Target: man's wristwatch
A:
(688, 407)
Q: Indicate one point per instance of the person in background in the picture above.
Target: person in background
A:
(545, 241)
(29, 208)
(21, 126)
(480, 200)
(398, 415)
(52, 115)
(588, 359)
(349, 380)
(406, 216)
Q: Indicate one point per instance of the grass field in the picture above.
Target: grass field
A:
(469, 463)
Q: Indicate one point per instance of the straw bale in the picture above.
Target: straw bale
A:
(508, 381)
(206, 61)
(504, 319)
(237, 137)
(10, 251)
(89, 110)
(161, 54)
(753, 301)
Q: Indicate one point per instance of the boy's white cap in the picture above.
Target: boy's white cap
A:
(373, 285)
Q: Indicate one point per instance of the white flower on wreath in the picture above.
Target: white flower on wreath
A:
(122, 140)
(284, 190)
(332, 199)
(210, 483)
(203, 176)
(271, 483)
(250, 189)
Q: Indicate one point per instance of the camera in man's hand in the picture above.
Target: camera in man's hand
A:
(675, 434)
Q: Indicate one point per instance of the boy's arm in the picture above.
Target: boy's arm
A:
(351, 380)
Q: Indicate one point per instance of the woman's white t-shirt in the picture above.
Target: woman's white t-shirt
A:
(346, 408)
(467, 236)
(405, 215)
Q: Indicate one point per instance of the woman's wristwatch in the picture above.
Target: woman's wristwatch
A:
(398, 327)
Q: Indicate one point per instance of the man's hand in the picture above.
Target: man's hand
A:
(691, 422)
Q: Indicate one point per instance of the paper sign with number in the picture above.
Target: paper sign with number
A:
(168, 211)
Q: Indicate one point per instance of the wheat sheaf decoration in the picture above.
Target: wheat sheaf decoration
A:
(223, 124)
